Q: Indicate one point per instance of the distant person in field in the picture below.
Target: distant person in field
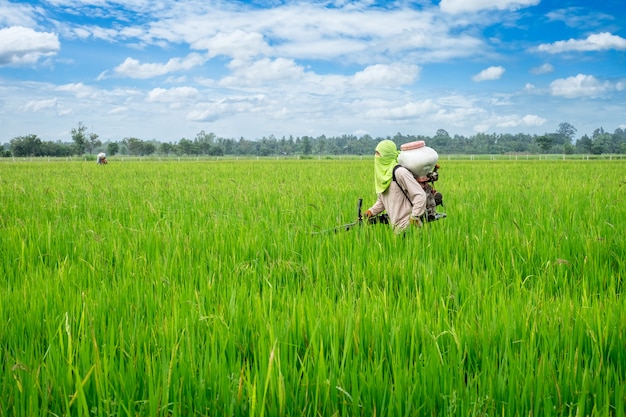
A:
(402, 197)
(102, 158)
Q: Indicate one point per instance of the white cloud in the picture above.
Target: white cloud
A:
(491, 73)
(459, 116)
(579, 86)
(483, 121)
(37, 105)
(459, 6)
(217, 109)
(118, 110)
(21, 46)
(595, 42)
(132, 68)
(387, 75)
(402, 111)
(262, 71)
(511, 121)
(172, 94)
(542, 69)
(533, 120)
(237, 44)
(326, 48)
(580, 17)
(81, 33)
(16, 14)
(80, 90)
(353, 33)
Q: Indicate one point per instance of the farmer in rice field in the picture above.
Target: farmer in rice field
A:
(101, 158)
(399, 193)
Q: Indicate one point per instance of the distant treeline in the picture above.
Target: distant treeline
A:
(563, 141)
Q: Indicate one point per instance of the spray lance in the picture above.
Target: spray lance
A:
(347, 226)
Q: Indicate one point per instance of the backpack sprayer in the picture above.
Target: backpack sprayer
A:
(422, 162)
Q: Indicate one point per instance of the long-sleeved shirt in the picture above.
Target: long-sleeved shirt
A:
(394, 201)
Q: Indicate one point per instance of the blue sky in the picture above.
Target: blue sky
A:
(169, 69)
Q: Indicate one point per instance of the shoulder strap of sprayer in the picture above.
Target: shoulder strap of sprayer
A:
(393, 176)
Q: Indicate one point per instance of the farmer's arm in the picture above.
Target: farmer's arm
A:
(378, 207)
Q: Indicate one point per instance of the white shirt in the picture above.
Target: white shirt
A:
(395, 202)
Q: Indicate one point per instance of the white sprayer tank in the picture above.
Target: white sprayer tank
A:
(418, 158)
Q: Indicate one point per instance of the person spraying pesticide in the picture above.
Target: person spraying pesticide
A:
(399, 193)
(404, 185)
(403, 182)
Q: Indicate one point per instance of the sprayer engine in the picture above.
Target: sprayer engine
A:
(433, 197)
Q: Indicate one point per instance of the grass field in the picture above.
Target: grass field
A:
(198, 288)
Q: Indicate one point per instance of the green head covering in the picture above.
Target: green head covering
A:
(383, 164)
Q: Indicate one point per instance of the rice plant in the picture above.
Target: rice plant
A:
(198, 288)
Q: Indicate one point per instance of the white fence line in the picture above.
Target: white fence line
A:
(456, 157)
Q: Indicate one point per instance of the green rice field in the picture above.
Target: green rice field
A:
(200, 288)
